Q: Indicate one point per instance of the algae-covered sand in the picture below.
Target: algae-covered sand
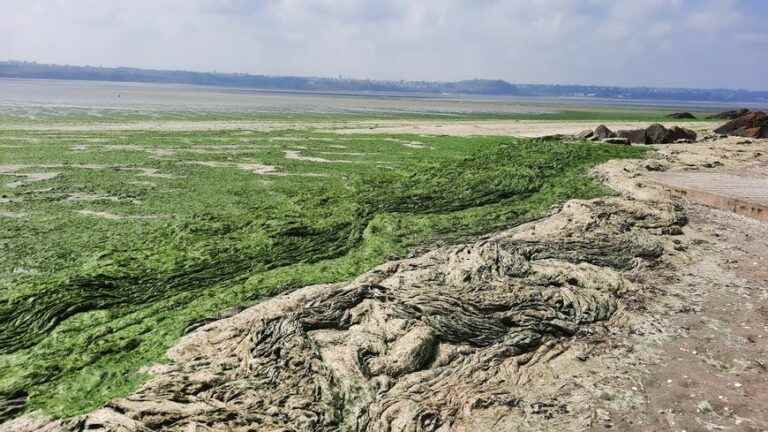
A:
(118, 242)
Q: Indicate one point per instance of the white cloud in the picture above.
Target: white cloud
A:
(628, 42)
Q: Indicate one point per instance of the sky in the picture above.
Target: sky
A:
(668, 43)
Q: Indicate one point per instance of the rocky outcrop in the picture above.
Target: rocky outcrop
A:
(658, 134)
(458, 339)
(634, 136)
(729, 115)
(750, 125)
(682, 116)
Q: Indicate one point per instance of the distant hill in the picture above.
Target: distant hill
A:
(17, 69)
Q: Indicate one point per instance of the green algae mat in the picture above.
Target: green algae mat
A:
(114, 244)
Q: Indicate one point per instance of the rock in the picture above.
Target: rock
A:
(602, 132)
(682, 116)
(750, 125)
(615, 140)
(683, 141)
(677, 133)
(654, 165)
(658, 134)
(635, 136)
(729, 115)
(704, 407)
(585, 134)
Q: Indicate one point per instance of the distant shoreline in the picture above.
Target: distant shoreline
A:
(337, 86)
(164, 97)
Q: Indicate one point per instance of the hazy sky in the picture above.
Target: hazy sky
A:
(690, 43)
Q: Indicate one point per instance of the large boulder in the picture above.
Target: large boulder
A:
(635, 136)
(682, 116)
(602, 132)
(658, 134)
(750, 125)
(681, 134)
(729, 115)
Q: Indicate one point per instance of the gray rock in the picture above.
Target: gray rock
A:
(635, 136)
(603, 132)
(658, 134)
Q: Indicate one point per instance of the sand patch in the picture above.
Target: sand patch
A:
(149, 172)
(223, 149)
(125, 147)
(299, 138)
(143, 183)
(21, 138)
(30, 178)
(296, 155)
(113, 216)
(250, 167)
(407, 143)
(344, 153)
(162, 152)
(8, 169)
(254, 168)
(12, 215)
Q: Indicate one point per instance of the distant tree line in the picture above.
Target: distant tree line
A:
(17, 69)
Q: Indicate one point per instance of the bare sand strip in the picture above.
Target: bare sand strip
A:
(522, 128)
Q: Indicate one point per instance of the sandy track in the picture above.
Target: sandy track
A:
(523, 128)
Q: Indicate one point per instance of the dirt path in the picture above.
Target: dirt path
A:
(704, 367)
(521, 128)
(713, 373)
